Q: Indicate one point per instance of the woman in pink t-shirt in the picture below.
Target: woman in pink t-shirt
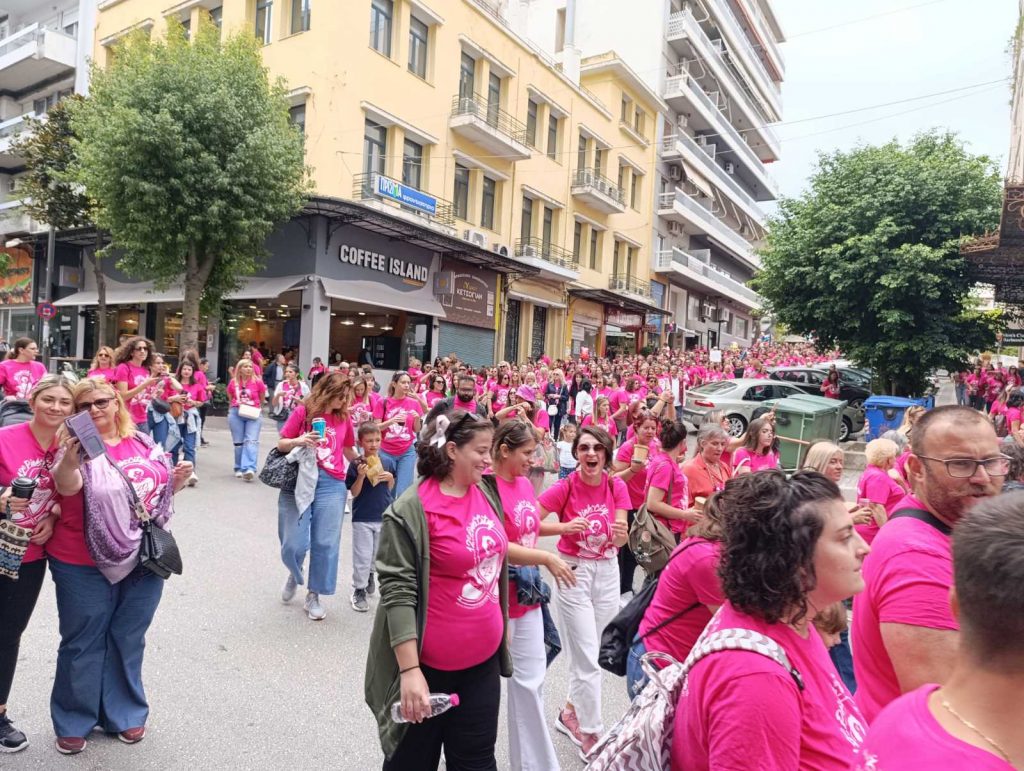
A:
(400, 416)
(20, 370)
(364, 403)
(102, 364)
(28, 450)
(317, 529)
(760, 449)
(529, 740)
(591, 505)
(667, 496)
(878, 494)
(245, 396)
(457, 644)
(739, 705)
(133, 377)
(602, 417)
(830, 387)
(630, 465)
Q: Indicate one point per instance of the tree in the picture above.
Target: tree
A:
(49, 189)
(868, 257)
(189, 151)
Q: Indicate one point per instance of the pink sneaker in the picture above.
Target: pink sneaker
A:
(589, 740)
(569, 724)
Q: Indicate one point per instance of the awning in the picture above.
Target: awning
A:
(419, 301)
(253, 288)
(698, 180)
(260, 287)
(616, 300)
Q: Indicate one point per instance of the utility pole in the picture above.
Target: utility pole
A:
(51, 246)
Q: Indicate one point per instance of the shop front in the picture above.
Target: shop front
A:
(535, 320)
(623, 330)
(467, 294)
(586, 328)
(17, 313)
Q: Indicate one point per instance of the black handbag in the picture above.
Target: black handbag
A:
(158, 552)
(278, 472)
(161, 406)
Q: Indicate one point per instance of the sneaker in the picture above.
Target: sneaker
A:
(133, 735)
(11, 739)
(249, 475)
(204, 443)
(289, 589)
(589, 740)
(569, 724)
(70, 745)
(238, 475)
(359, 601)
(193, 480)
(313, 608)
(371, 585)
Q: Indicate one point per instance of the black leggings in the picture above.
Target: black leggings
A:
(467, 732)
(627, 562)
(17, 601)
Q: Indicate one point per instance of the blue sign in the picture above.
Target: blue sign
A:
(657, 298)
(408, 196)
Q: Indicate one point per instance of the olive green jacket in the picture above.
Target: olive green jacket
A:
(403, 572)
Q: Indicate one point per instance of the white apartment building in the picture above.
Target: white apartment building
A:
(717, 66)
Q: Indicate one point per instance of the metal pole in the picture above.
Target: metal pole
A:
(51, 245)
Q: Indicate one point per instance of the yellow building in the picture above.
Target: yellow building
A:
(435, 124)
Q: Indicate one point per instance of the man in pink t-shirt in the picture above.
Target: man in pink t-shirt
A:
(903, 632)
(973, 719)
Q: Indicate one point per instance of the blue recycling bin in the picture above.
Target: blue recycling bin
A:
(885, 413)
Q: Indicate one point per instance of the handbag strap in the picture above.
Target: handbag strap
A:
(924, 516)
(137, 505)
(679, 614)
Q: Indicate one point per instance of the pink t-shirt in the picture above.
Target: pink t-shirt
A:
(107, 373)
(133, 377)
(522, 526)
(742, 710)
(18, 377)
(664, 473)
(196, 393)
(571, 498)
(606, 423)
(637, 484)
(878, 487)
(251, 392)
(432, 397)
(467, 547)
(906, 735)
(363, 410)
(901, 466)
(907, 576)
(754, 461)
(398, 437)
(22, 456)
(291, 395)
(688, 579)
(330, 453)
(1012, 416)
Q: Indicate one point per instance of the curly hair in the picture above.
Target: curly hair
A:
(433, 461)
(772, 526)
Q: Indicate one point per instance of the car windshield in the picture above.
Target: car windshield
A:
(720, 387)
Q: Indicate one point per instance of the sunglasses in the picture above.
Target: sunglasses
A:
(100, 404)
(589, 447)
(141, 348)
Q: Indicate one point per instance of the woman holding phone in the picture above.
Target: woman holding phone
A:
(133, 377)
(27, 450)
(400, 416)
(631, 462)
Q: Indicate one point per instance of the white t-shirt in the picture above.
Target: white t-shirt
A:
(584, 405)
(565, 454)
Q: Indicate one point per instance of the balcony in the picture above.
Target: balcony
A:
(770, 48)
(489, 127)
(552, 261)
(9, 132)
(35, 55)
(404, 201)
(706, 277)
(598, 192)
(14, 220)
(697, 219)
(624, 282)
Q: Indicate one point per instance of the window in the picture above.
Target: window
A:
(467, 76)
(553, 137)
(490, 189)
(375, 147)
(560, 30)
(581, 153)
(622, 176)
(297, 116)
(626, 112)
(460, 198)
(300, 15)
(617, 258)
(631, 259)
(186, 27)
(526, 226)
(598, 159)
(412, 164)
(577, 238)
(217, 15)
(493, 99)
(69, 29)
(594, 235)
(418, 35)
(634, 191)
(638, 121)
(531, 123)
(264, 10)
(381, 15)
(548, 226)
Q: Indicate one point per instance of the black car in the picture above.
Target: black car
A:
(809, 380)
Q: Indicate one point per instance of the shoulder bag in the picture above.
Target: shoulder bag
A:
(650, 540)
(13, 545)
(158, 552)
(278, 472)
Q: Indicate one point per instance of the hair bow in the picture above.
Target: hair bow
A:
(440, 436)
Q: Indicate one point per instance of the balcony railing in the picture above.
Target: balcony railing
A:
(726, 14)
(556, 255)
(593, 178)
(708, 271)
(14, 126)
(710, 222)
(364, 188)
(624, 282)
(478, 107)
(720, 174)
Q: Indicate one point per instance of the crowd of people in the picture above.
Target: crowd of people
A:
(452, 474)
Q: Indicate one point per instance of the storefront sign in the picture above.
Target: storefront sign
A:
(625, 320)
(1012, 337)
(16, 280)
(365, 258)
(658, 298)
(589, 314)
(408, 196)
(467, 294)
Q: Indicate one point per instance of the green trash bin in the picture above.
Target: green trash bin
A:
(802, 420)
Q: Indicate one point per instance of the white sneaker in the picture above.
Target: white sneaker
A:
(238, 475)
(289, 589)
(249, 475)
(193, 480)
(313, 608)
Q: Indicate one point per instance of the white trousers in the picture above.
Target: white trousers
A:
(584, 611)
(529, 741)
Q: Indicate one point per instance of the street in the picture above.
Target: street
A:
(236, 679)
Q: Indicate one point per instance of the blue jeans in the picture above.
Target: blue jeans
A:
(316, 530)
(187, 445)
(245, 434)
(157, 428)
(636, 678)
(843, 660)
(102, 638)
(405, 469)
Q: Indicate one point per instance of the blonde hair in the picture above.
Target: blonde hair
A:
(878, 451)
(123, 419)
(239, 363)
(819, 455)
(910, 417)
(95, 359)
(832, 619)
(57, 380)
(564, 430)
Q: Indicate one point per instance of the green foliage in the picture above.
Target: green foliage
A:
(188, 148)
(868, 258)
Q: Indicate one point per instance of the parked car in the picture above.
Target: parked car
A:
(736, 398)
(854, 387)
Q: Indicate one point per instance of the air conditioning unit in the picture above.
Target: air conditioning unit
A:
(475, 237)
(675, 229)
(702, 140)
(682, 121)
(502, 249)
(675, 173)
(718, 315)
(705, 311)
(730, 167)
(718, 44)
(13, 185)
(529, 250)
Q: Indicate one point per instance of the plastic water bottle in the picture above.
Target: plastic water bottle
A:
(439, 702)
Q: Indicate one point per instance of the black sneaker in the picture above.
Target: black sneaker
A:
(11, 739)
(359, 601)
(371, 585)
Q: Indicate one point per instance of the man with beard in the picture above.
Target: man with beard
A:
(904, 634)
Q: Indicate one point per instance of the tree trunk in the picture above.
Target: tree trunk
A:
(197, 273)
(101, 293)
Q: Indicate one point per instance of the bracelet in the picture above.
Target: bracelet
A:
(408, 669)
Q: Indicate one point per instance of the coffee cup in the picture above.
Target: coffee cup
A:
(23, 487)
(640, 453)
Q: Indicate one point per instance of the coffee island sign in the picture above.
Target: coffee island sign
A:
(395, 266)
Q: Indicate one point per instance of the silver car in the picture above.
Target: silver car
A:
(736, 398)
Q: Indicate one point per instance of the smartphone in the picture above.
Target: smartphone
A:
(84, 430)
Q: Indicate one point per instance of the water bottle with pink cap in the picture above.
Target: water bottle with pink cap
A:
(439, 702)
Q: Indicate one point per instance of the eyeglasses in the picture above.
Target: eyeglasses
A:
(141, 348)
(589, 447)
(965, 468)
(100, 404)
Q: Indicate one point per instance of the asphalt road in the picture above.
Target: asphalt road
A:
(236, 679)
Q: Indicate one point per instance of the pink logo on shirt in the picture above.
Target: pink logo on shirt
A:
(44, 495)
(23, 383)
(144, 479)
(484, 541)
(524, 516)
(847, 714)
(593, 542)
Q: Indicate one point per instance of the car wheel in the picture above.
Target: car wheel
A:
(857, 404)
(737, 425)
(845, 430)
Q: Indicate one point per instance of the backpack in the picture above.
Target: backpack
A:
(651, 542)
(642, 739)
(14, 412)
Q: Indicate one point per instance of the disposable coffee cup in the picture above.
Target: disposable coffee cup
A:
(698, 503)
(640, 453)
(320, 426)
(23, 487)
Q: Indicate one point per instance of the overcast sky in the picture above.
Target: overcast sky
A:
(836, 63)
